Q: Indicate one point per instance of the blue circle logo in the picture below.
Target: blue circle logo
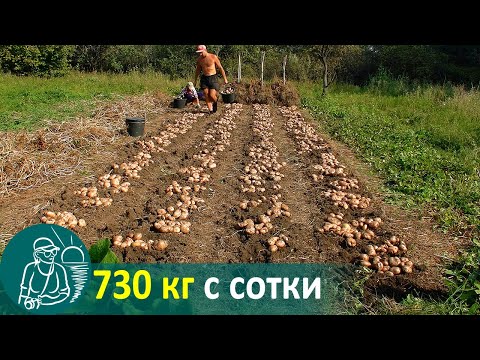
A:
(45, 269)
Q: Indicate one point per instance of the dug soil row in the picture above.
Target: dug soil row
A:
(252, 183)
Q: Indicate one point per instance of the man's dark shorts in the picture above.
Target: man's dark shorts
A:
(210, 82)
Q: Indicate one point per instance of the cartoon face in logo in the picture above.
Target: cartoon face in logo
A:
(45, 268)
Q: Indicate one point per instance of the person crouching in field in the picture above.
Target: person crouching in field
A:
(192, 96)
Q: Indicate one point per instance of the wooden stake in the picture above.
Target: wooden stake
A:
(284, 67)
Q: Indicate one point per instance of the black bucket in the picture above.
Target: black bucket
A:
(135, 126)
(179, 103)
(228, 98)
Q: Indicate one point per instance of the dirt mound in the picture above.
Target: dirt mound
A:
(285, 94)
(253, 92)
(277, 93)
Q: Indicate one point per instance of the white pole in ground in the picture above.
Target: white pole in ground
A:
(284, 67)
(239, 68)
(263, 60)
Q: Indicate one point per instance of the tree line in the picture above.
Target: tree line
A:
(354, 64)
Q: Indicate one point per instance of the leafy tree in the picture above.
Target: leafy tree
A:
(420, 62)
(332, 58)
(125, 58)
(90, 57)
(174, 60)
(41, 60)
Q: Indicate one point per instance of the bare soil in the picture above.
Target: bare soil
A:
(214, 235)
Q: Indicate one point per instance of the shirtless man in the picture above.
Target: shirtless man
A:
(208, 64)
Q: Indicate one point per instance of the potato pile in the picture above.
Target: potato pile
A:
(251, 179)
(143, 158)
(196, 174)
(132, 168)
(173, 219)
(261, 225)
(229, 89)
(115, 182)
(264, 161)
(304, 134)
(263, 222)
(149, 145)
(245, 204)
(330, 166)
(221, 131)
(352, 231)
(185, 198)
(64, 218)
(129, 169)
(175, 188)
(277, 242)
(387, 258)
(277, 209)
(132, 239)
(345, 184)
(135, 240)
(206, 159)
(170, 225)
(264, 154)
(308, 141)
(347, 200)
(90, 197)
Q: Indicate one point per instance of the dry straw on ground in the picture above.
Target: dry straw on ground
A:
(30, 159)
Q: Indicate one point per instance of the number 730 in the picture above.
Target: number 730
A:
(123, 284)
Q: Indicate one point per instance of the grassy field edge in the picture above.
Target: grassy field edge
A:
(425, 145)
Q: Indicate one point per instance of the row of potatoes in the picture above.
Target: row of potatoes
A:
(388, 257)
(262, 168)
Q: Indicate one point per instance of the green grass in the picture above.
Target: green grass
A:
(425, 144)
(426, 148)
(26, 101)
